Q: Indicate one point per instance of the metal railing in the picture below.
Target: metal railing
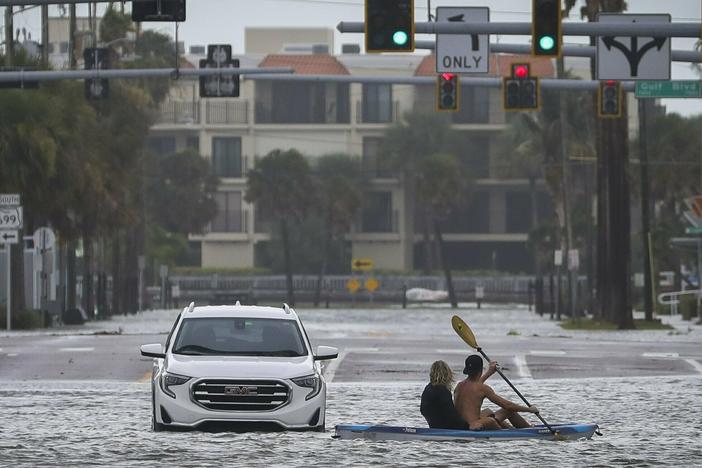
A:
(363, 116)
(672, 299)
(179, 112)
(226, 112)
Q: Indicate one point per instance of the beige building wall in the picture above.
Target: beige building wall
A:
(259, 40)
(227, 254)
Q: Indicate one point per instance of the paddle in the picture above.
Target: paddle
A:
(467, 335)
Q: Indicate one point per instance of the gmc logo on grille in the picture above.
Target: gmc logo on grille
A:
(236, 390)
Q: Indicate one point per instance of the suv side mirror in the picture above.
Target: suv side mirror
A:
(325, 353)
(153, 350)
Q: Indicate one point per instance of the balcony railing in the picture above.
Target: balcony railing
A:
(226, 112)
(179, 112)
(236, 222)
(377, 116)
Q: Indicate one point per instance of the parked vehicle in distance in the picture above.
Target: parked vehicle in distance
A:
(249, 367)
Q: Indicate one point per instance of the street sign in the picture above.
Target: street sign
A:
(44, 239)
(11, 217)
(353, 285)
(693, 230)
(163, 271)
(669, 89)
(9, 199)
(480, 292)
(362, 264)
(462, 53)
(9, 237)
(219, 56)
(573, 259)
(633, 58)
(558, 257)
(371, 284)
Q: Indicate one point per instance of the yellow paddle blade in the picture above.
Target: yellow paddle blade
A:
(464, 331)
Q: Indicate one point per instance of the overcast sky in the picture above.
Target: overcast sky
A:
(224, 21)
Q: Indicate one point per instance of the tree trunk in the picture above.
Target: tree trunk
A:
(288, 262)
(323, 268)
(116, 273)
(444, 264)
(19, 304)
(131, 266)
(429, 264)
(71, 275)
(88, 303)
(533, 194)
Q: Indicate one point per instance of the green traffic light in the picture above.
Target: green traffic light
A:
(547, 42)
(400, 38)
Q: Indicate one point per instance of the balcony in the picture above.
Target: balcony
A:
(219, 112)
(376, 114)
(178, 113)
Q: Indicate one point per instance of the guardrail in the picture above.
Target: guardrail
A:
(672, 298)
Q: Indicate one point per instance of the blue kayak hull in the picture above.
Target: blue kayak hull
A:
(565, 432)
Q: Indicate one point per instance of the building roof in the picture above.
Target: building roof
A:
(499, 65)
(314, 64)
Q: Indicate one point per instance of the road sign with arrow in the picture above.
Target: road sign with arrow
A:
(361, 264)
(462, 53)
(635, 57)
(9, 237)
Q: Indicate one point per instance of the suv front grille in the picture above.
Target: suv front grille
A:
(240, 395)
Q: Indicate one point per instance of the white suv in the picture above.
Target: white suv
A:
(247, 365)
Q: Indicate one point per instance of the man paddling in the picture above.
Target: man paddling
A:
(471, 392)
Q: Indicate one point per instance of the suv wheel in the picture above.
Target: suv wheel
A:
(155, 425)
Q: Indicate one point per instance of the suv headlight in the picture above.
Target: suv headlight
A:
(313, 382)
(169, 380)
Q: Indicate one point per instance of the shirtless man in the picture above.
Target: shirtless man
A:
(471, 392)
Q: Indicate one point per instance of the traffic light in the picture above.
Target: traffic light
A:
(520, 90)
(609, 100)
(96, 59)
(219, 56)
(546, 28)
(389, 25)
(158, 10)
(447, 92)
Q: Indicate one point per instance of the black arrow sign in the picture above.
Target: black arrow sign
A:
(7, 235)
(475, 40)
(634, 55)
(359, 264)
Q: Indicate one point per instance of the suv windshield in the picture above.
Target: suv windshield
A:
(239, 337)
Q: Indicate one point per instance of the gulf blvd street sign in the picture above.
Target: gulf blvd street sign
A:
(669, 89)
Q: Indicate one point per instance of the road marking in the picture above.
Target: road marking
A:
(76, 350)
(522, 367)
(451, 351)
(661, 355)
(547, 353)
(362, 350)
(12, 355)
(145, 378)
(695, 364)
(330, 370)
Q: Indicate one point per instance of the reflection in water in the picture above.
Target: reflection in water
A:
(69, 423)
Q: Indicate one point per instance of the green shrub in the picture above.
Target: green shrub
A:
(25, 320)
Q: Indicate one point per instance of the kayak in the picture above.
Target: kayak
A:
(565, 432)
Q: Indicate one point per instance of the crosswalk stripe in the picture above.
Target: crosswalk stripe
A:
(76, 350)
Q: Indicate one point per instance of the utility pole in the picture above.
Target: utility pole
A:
(645, 223)
(9, 36)
(72, 61)
(45, 36)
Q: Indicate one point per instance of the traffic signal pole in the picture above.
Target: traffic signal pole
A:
(645, 223)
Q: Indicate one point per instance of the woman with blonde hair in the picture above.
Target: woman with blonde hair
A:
(437, 402)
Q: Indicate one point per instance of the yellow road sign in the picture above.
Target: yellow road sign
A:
(353, 285)
(362, 264)
(371, 284)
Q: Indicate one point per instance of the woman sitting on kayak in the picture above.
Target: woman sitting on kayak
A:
(471, 392)
(437, 404)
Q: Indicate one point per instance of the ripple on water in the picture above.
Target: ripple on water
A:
(108, 423)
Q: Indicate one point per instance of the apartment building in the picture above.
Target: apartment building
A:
(490, 232)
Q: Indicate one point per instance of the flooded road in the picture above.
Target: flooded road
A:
(643, 388)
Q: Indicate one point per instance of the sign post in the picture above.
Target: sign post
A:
(10, 222)
(462, 53)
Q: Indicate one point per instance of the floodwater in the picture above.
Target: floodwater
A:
(645, 422)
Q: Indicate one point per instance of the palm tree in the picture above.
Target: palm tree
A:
(283, 186)
(340, 183)
(442, 185)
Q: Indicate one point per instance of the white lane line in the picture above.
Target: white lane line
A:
(362, 350)
(661, 355)
(76, 350)
(12, 355)
(547, 353)
(522, 367)
(452, 351)
(695, 364)
(330, 370)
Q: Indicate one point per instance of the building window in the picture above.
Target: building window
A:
(377, 103)
(475, 155)
(302, 103)
(163, 145)
(193, 142)
(229, 213)
(475, 105)
(518, 211)
(226, 157)
(372, 164)
(470, 217)
(377, 212)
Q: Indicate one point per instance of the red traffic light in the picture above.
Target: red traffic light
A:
(447, 76)
(521, 71)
